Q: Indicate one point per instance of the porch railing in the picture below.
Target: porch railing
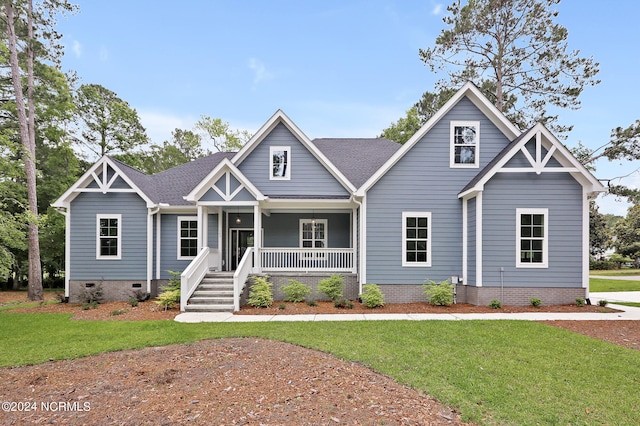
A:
(307, 259)
(240, 276)
(195, 272)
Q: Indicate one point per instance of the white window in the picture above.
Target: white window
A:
(280, 163)
(416, 239)
(187, 237)
(313, 233)
(465, 143)
(108, 236)
(532, 241)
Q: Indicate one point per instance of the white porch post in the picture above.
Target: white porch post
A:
(201, 234)
(257, 238)
(220, 236)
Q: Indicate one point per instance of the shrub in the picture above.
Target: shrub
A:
(495, 304)
(603, 302)
(170, 296)
(261, 294)
(140, 295)
(372, 296)
(117, 312)
(331, 286)
(439, 294)
(535, 302)
(89, 305)
(296, 291)
(133, 302)
(343, 303)
(282, 306)
(580, 302)
(92, 295)
(312, 302)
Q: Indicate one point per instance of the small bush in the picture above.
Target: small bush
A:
(439, 294)
(312, 302)
(92, 295)
(89, 305)
(168, 299)
(282, 306)
(495, 304)
(580, 302)
(140, 295)
(535, 302)
(118, 312)
(603, 302)
(296, 291)
(261, 294)
(343, 303)
(133, 302)
(331, 286)
(372, 296)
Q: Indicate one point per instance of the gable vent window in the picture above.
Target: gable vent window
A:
(465, 143)
(280, 163)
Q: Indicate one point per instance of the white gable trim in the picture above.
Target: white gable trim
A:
(224, 168)
(281, 117)
(538, 165)
(105, 185)
(477, 98)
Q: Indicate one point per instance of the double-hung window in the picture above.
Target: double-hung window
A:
(465, 143)
(532, 242)
(109, 236)
(187, 237)
(416, 239)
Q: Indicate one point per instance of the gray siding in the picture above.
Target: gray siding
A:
(308, 176)
(423, 181)
(283, 229)
(470, 279)
(558, 192)
(169, 242)
(133, 263)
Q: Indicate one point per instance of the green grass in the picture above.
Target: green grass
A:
(603, 284)
(493, 372)
(632, 304)
(616, 272)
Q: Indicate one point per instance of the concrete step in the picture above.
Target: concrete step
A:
(212, 293)
(211, 300)
(209, 308)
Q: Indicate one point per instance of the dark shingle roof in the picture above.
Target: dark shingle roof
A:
(357, 159)
(171, 185)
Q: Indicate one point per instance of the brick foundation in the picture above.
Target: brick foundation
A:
(519, 296)
(112, 291)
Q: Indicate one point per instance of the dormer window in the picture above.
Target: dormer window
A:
(465, 142)
(280, 163)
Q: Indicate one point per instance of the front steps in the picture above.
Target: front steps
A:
(213, 294)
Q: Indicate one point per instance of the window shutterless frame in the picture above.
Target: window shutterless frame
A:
(108, 236)
(532, 238)
(187, 237)
(280, 163)
(416, 239)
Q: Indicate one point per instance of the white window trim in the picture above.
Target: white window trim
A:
(119, 236)
(287, 173)
(405, 215)
(452, 153)
(182, 219)
(545, 241)
(325, 222)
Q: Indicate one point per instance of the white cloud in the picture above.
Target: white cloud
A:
(77, 48)
(159, 125)
(260, 72)
(437, 9)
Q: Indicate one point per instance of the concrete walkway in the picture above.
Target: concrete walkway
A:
(628, 314)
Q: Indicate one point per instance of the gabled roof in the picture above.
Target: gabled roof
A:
(555, 149)
(358, 159)
(470, 91)
(223, 166)
(281, 117)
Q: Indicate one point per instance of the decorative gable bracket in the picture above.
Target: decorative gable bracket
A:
(539, 164)
(104, 182)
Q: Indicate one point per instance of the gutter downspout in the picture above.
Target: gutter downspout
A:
(151, 211)
(362, 274)
(67, 248)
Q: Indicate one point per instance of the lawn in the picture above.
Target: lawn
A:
(493, 372)
(603, 284)
(616, 272)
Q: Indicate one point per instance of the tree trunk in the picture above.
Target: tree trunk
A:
(27, 135)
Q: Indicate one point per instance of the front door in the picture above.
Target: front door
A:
(240, 241)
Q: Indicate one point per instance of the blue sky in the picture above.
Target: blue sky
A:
(336, 68)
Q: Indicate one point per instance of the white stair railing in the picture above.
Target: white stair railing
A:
(240, 276)
(206, 260)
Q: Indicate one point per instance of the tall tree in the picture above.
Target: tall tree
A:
(520, 49)
(221, 135)
(108, 124)
(627, 233)
(30, 35)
